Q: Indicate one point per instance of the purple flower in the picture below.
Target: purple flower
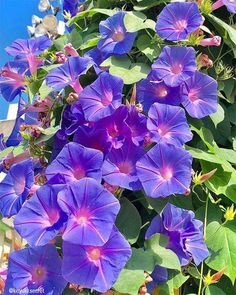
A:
(115, 126)
(91, 211)
(95, 138)
(200, 95)
(177, 20)
(15, 187)
(175, 64)
(60, 140)
(168, 124)
(28, 49)
(35, 268)
(159, 276)
(230, 5)
(102, 97)
(68, 73)
(153, 90)
(184, 231)
(71, 6)
(137, 123)
(119, 168)
(114, 37)
(98, 57)
(72, 118)
(41, 218)
(75, 162)
(165, 170)
(12, 79)
(98, 267)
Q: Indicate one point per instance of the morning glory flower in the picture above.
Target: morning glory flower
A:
(12, 79)
(184, 231)
(98, 267)
(91, 211)
(102, 97)
(175, 64)
(41, 218)
(230, 5)
(75, 162)
(36, 269)
(159, 276)
(95, 138)
(177, 20)
(168, 124)
(15, 187)
(165, 170)
(114, 37)
(98, 57)
(199, 95)
(152, 89)
(28, 49)
(68, 73)
(72, 118)
(119, 168)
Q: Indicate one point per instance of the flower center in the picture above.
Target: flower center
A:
(118, 36)
(53, 217)
(95, 254)
(177, 69)
(113, 131)
(161, 91)
(39, 274)
(180, 25)
(83, 217)
(107, 99)
(163, 131)
(79, 173)
(193, 95)
(166, 173)
(125, 167)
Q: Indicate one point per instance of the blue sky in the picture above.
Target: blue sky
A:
(15, 16)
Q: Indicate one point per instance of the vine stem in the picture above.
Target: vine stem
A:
(204, 235)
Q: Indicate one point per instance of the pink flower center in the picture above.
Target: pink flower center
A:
(83, 217)
(193, 95)
(180, 25)
(53, 217)
(163, 131)
(113, 131)
(177, 69)
(166, 173)
(79, 173)
(12, 75)
(39, 274)
(125, 167)
(94, 254)
(118, 36)
(107, 99)
(161, 91)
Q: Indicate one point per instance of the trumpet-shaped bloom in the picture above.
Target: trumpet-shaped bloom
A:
(95, 138)
(165, 170)
(41, 218)
(102, 97)
(200, 95)
(98, 267)
(177, 20)
(72, 118)
(15, 187)
(37, 270)
(153, 90)
(68, 73)
(119, 168)
(184, 231)
(137, 123)
(175, 64)
(91, 211)
(12, 79)
(168, 124)
(114, 37)
(75, 162)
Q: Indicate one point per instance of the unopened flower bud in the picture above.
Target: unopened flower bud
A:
(72, 97)
(200, 178)
(230, 213)
(61, 58)
(212, 279)
(214, 41)
(69, 49)
(205, 61)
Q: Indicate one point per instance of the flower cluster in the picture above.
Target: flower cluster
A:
(106, 143)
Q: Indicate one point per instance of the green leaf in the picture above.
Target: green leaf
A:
(147, 4)
(132, 276)
(163, 257)
(136, 21)
(129, 229)
(47, 134)
(145, 45)
(222, 182)
(122, 67)
(221, 241)
(44, 90)
(213, 290)
(90, 41)
(226, 31)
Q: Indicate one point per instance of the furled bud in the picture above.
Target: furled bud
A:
(199, 178)
(214, 41)
(69, 49)
(72, 97)
(205, 61)
(212, 279)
